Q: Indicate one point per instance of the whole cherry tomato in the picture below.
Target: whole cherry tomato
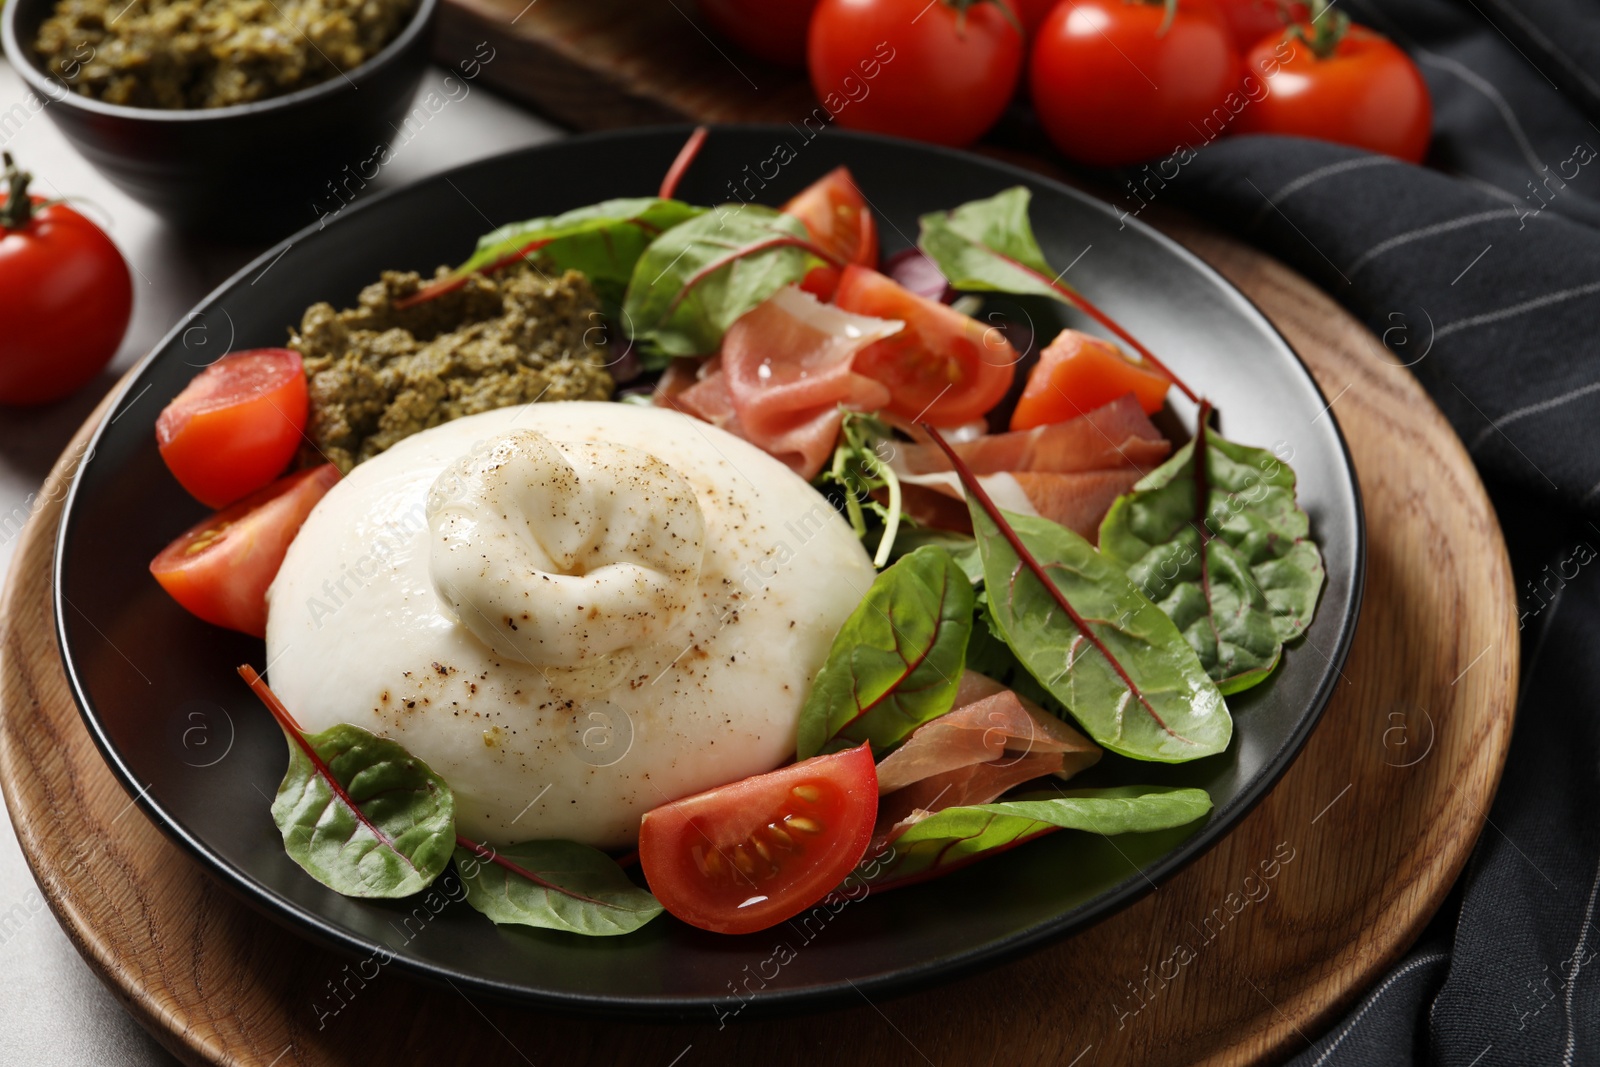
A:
(774, 30)
(933, 70)
(65, 296)
(1114, 82)
(1340, 83)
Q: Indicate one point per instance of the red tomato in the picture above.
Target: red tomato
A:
(933, 70)
(1077, 373)
(220, 568)
(65, 297)
(774, 30)
(1367, 93)
(943, 367)
(1097, 65)
(236, 425)
(837, 218)
(1251, 20)
(1031, 13)
(750, 854)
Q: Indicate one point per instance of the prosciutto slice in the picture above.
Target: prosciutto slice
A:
(783, 379)
(1068, 472)
(991, 742)
(1119, 434)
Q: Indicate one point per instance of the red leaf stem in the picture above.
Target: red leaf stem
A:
(680, 163)
(297, 735)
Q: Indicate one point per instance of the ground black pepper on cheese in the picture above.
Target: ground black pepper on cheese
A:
(180, 54)
(378, 374)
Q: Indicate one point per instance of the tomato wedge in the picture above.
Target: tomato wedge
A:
(944, 367)
(220, 568)
(838, 220)
(752, 853)
(236, 426)
(1078, 373)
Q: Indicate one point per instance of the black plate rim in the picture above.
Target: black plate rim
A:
(766, 1003)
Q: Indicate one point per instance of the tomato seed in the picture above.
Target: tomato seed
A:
(776, 833)
(804, 825)
(808, 793)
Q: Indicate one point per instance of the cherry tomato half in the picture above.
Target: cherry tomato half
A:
(1077, 373)
(943, 367)
(773, 30)
(752, 853)
(1112, 87)
(837, 218)
(65, 297)
(1368, 93)
(220, 568)
(236, 426)
(933, 70)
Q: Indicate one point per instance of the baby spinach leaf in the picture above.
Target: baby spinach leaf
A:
(896, 662)
(362, 815)
(554, 885)
(694, 280)
(989, 246)
(1224, 550)
(957, 836)
(1090, 637)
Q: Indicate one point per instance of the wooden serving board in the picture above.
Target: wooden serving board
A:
(1282, 924)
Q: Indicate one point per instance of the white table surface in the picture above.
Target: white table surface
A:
(53, 1011)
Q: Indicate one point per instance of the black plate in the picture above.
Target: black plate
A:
(159, 694)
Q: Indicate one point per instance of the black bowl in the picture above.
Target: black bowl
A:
(257, 169)
(159, 694)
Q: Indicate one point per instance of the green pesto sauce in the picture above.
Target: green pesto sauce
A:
(378, 374)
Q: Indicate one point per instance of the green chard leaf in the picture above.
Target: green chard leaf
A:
(697, 278)
(896, 662)
(1126, 674)
(362, 815)
(1236, 570)
(554, 885)
(957, 836)
(989, 246)
(603, 240)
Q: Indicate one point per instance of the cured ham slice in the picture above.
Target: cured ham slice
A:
(992, 741)
(783, 379)
(1077, 501)
(1068, 472)
(1118, 434)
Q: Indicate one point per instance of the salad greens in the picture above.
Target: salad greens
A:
(859, 471)
(989, 246)
(694, 280)
(954, 837)
(896, 663)
(1225, 550)
(557, 885)
(362, 815)
(604, 241)
(366, 818)
(1097, 644)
